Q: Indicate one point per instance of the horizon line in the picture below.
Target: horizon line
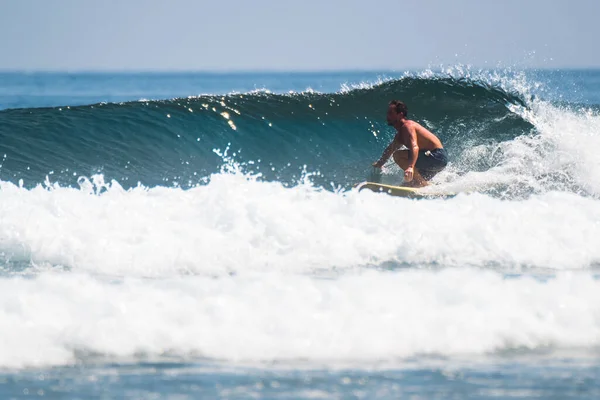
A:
(234, 71)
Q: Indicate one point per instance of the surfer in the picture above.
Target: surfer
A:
(423, 156)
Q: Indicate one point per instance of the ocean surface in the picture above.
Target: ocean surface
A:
(197, 235)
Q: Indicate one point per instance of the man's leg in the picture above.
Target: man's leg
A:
(401, 158)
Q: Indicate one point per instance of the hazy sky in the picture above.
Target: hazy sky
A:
(296, 35)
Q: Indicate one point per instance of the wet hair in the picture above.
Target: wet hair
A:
(400, 107)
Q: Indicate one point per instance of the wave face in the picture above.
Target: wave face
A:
(173, 141)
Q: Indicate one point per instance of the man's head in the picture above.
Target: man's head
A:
(397, 110)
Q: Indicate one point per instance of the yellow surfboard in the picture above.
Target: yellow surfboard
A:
(403, 191)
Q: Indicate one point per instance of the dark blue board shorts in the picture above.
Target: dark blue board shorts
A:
(430, 162)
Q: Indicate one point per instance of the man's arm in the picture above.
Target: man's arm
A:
(387, 153)
(413, 153)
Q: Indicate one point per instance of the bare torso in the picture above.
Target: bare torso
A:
(425, 139)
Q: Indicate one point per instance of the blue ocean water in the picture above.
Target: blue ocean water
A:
(197, 235)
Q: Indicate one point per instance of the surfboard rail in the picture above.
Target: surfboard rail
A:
(403, 191)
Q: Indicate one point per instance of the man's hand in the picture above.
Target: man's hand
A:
(408, 174)
(378, 164)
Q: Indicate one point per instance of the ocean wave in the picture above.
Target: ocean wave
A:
(367, 319)
(172, 141)
(235, 224)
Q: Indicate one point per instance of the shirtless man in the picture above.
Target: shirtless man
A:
(424, 157)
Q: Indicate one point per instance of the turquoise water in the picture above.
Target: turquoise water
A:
(174, 141)
(179, 380)
(197, 236)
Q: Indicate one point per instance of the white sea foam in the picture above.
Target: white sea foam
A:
(560, 154)
(358, 318)
(236, 224)
(576, 137)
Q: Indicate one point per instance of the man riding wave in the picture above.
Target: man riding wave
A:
(424, 155)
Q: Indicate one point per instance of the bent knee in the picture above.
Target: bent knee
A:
(400, 155)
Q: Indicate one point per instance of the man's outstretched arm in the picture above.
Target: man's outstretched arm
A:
(387, 153)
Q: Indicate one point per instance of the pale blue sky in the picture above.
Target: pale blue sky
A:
(296, 35)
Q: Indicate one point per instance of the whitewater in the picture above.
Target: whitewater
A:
(219, 238)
